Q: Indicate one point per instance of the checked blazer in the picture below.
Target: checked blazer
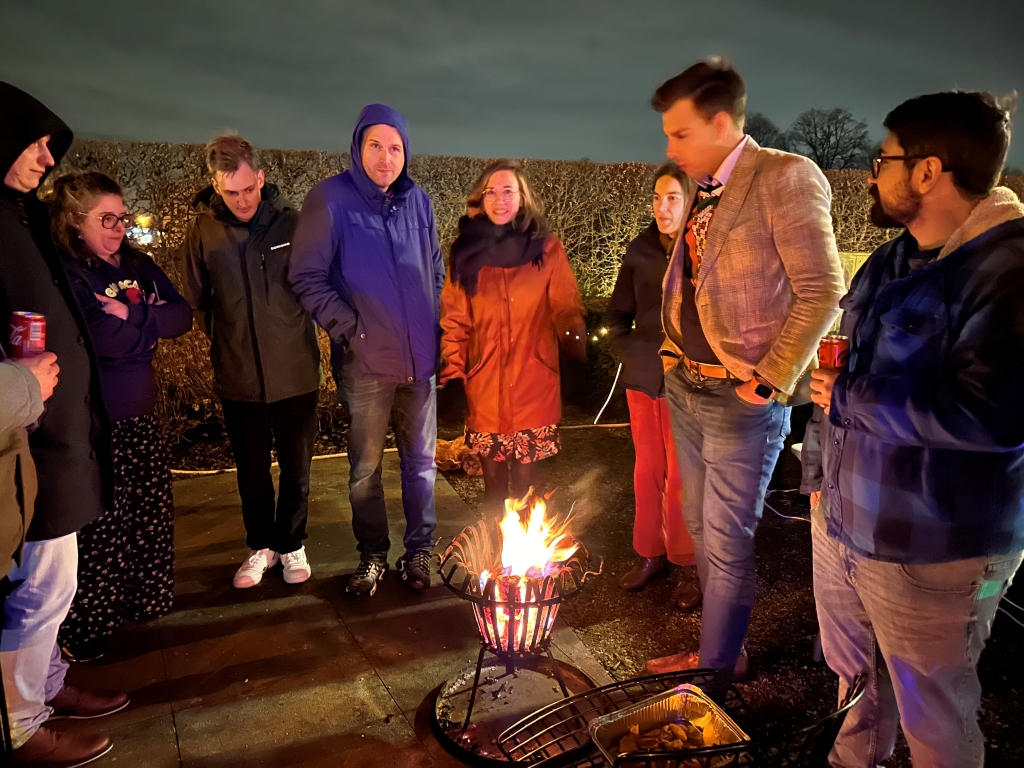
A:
(770, 279)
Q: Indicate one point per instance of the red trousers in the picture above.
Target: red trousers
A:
(658, 528)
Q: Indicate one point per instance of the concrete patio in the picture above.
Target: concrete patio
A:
(290, 676)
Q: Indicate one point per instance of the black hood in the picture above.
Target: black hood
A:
(23, 121)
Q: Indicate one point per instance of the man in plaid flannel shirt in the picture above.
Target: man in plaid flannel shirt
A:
(920, 525)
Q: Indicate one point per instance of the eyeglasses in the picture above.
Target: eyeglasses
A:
(508, 193)
(110, 220)
(876, 162)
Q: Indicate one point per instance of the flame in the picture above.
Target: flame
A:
(531, 547)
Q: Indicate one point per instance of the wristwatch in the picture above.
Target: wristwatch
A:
(764, 390)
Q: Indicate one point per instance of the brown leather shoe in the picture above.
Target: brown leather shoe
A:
(76, 704)
(688, 595)
(642, 573)
(681, 662)
(61, 749)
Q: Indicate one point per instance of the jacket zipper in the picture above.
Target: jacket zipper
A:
(398, 281)
(266, 279)
(252, 318)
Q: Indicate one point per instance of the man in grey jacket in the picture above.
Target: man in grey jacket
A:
(266, 361)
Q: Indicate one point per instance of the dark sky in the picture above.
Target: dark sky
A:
(540, 78)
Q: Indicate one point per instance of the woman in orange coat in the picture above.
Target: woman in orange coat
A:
(509, 300)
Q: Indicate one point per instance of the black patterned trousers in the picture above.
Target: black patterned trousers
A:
(126, 557)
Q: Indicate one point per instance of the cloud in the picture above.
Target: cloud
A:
(561, 79)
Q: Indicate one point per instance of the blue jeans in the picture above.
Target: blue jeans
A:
(727, 449)
(43, 587)
(412, 410)
(918, 631)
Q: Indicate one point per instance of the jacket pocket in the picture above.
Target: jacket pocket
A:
(909, 340)
(357, 340)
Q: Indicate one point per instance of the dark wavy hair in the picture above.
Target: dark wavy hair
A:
(968, 131)
(74, 195)
(715, 86)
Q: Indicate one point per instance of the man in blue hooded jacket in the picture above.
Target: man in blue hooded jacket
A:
(366, 264)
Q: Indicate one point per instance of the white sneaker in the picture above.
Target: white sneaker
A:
(296, 566)
(252, 570)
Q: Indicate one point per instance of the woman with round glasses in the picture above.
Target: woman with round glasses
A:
(509, 300)
(126, 558)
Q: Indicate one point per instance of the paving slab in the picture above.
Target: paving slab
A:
(282, 675)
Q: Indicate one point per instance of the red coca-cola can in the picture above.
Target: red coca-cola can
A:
(28, 334)
(833, 351)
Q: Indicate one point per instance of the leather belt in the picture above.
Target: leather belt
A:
(706, 371)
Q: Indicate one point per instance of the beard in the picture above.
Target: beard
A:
(895, 215)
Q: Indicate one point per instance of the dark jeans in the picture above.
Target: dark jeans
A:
(412, 411)
(289, 426)
(727, 449)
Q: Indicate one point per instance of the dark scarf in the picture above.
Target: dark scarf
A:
(482, 243)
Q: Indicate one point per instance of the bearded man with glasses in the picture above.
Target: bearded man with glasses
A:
(920, 525)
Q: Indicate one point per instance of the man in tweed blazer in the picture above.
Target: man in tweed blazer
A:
(751, 288)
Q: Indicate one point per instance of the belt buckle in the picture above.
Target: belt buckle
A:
(694, 368)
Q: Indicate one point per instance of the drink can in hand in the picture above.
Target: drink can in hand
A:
(834, 351)
(28, 334)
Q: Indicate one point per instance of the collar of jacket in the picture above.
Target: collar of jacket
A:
(650, 242)
(272, 202)
(1001, 206)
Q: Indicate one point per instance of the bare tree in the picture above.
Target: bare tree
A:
(834, 138)
(762, 130)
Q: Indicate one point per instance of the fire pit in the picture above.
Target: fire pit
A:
(516, 573)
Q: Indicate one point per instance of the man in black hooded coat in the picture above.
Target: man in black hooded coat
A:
(70, 448)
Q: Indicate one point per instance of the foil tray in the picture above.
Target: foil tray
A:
(683, 702)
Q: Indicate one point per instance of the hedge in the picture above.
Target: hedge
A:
(595, 208)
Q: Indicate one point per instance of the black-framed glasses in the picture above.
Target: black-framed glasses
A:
(110, 220)
(877, 160)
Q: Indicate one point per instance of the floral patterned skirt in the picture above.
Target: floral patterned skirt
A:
(524, 447)
(126, 557)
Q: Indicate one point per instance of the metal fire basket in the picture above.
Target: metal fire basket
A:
(514, 615)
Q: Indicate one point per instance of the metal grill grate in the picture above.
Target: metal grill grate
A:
(558, 736)
(561, 729)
